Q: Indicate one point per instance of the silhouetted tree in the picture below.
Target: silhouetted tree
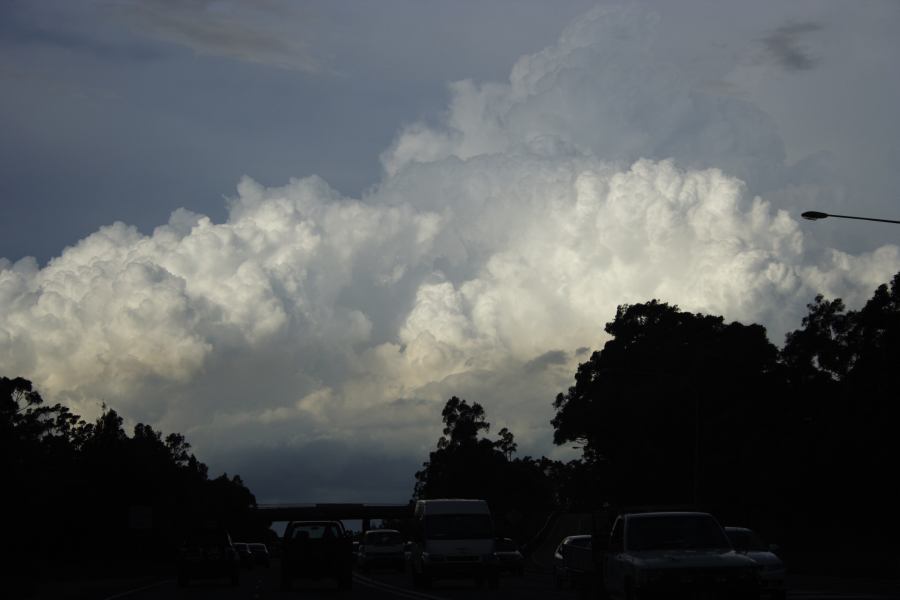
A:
(465, 465)
(506, 443)
(677, 404)
(37, 451)
(97, 480)
(462, 423)
(461, 465)
(842, 369)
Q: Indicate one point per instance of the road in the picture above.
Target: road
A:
(263, 584)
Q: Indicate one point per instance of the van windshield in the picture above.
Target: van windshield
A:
(458, 527)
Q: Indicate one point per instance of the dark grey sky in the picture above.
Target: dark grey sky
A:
(106, 117)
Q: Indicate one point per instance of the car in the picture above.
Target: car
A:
(381, 548)
(260, 553)
(677, 553)
(773, 573)
(245, 556)
(207, 552)
(316, 550)
(509, 558)
(572, 559)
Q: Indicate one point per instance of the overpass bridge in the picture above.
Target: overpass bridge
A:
(334, 512)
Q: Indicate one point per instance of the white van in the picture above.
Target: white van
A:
(453, 539)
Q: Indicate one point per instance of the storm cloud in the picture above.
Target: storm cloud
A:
(483, 265)
(785, 46)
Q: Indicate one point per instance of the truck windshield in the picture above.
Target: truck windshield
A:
(667, 532)
(458, 527)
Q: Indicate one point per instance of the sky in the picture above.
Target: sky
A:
(292, 230)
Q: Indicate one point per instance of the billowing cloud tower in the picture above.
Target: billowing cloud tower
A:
(316, 329)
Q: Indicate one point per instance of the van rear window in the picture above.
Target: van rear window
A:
(459, 527)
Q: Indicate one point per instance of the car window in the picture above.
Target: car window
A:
(316, 531)
(581, 542)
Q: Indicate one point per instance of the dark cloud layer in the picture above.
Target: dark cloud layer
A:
(322, 471)
(552, 357)
(785, 46)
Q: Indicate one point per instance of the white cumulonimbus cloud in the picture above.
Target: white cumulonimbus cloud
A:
(486, 261)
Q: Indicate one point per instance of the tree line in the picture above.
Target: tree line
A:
(684, 409)
(82, 494)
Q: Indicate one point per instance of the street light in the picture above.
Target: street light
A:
(814, 215)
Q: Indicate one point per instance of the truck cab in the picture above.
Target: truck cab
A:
(655, 554)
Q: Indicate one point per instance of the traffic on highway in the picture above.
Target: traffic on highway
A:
(452, 554)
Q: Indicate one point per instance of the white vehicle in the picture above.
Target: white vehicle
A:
(675, 553)
(381, 548)
(453, 539)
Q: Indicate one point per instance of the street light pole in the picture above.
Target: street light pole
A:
(814, 215)
(696, 450)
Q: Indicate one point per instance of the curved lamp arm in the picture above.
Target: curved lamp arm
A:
(814, 215)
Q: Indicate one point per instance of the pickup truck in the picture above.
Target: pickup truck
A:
(316, 550)
(675, 554)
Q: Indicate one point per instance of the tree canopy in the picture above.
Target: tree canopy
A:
(686, 408)
(119, 495)
(465, 464)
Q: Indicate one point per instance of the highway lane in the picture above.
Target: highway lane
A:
(263, 584)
